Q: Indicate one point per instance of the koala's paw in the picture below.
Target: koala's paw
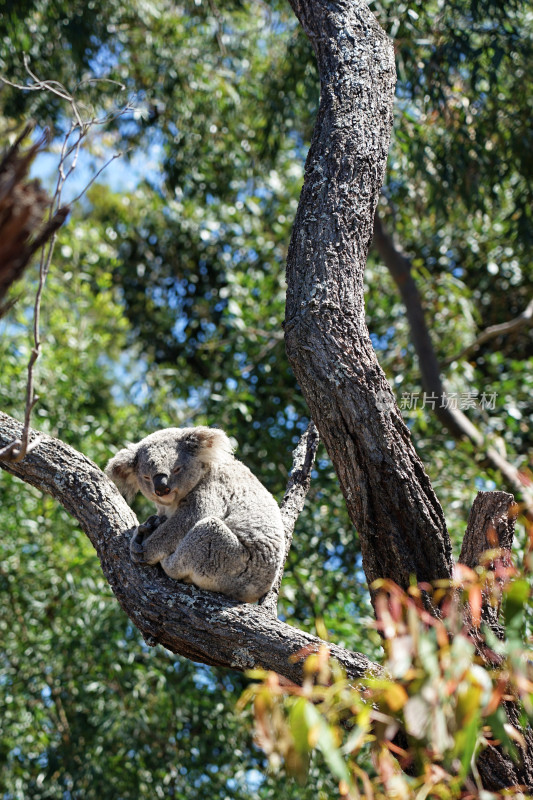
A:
(142, 533)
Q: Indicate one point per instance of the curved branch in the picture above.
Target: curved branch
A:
(200, 625)
(399, 266)
(388, 495)
(504, 328)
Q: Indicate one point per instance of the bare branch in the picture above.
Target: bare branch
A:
(96, 175)
(293, 501)
(511, 326)
(79, 128)
(458, 424)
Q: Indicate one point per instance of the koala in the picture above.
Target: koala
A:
(216, 525)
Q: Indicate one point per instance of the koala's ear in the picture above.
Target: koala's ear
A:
(207, 444)
(121, 470)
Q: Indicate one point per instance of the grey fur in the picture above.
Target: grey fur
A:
(217, 527)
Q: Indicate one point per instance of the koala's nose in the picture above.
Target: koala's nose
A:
(161, 487)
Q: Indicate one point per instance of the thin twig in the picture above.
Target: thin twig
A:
(293, 501)
(523, 319)
(96, 175)
(219, 23)
(15, 451)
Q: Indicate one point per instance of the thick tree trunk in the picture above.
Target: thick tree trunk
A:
(389, 497)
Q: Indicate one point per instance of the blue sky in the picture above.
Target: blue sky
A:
(122, 175)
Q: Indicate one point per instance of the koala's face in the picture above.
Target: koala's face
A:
(168, 468)
(168, 464)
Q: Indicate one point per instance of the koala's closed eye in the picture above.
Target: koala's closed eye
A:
(217, 525)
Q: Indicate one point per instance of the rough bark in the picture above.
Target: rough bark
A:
(293, 502)
(491, 525)
(202, 626)
(389, 497)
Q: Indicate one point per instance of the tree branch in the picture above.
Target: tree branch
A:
(491, 525)
(202, 626)
(293, 501)
(399, 266)
(504, 328)
(458, 424)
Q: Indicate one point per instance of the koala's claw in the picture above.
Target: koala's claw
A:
(137, 550)
(143, 532)
(149, 526)
(145, 529)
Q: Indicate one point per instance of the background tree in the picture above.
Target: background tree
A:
(191, 261)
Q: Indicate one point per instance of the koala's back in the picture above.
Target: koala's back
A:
(230, 492)
(249, 509)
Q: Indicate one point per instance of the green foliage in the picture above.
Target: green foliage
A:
(434, 708)
(88, 710)
(164, 307)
